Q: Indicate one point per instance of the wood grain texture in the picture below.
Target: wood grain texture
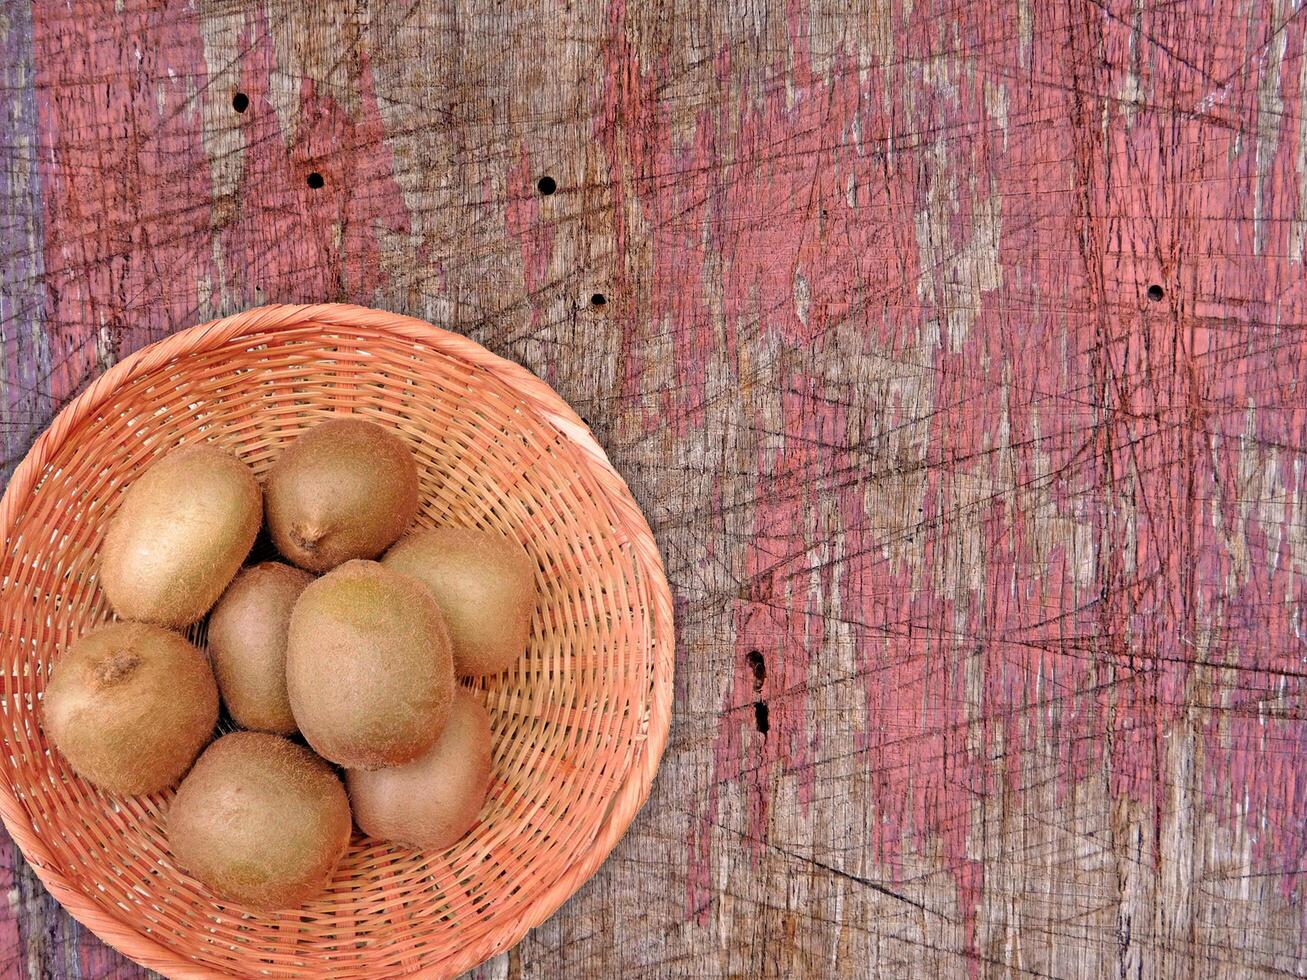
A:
(989, 565)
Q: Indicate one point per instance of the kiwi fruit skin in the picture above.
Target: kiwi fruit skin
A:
(181, 533)
(484, 584)
(260, 820)
(344, 489)
(369, 667)
(434, 800)
(247, 643)
(129, 706)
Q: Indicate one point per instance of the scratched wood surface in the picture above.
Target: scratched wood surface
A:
(952, 349)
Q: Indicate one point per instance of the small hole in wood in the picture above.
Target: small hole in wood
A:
(1155, 293)
(315, 180)
(546, 185)
(759, 668)
(598, 299)
(240, 101)
(761, 717)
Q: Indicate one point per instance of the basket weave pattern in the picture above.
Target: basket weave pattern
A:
(579, 727)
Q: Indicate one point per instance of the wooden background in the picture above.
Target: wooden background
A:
(952, 349)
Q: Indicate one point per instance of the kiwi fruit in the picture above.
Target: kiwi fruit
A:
(247, 643)
(432, 801)
(179, 536)
(484, 584)
(344, 489)
(129, 706)
(369, 668)
(260, 820)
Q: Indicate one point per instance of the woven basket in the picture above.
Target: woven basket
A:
(579, 726)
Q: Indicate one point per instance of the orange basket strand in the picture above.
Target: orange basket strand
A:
(580, 725)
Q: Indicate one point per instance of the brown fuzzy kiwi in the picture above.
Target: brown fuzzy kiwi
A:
(180, 535)
(260, 820)
(485, 585)
(130, 705)
(368, 666)
(247, 641)
(344, 489)
(432, 801)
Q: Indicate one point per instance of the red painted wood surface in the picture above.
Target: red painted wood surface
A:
(953, 351)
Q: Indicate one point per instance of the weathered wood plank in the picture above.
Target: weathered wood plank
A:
(33, 929)
(24, 355)
(989, 564)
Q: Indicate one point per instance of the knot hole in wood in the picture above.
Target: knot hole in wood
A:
(761, 713)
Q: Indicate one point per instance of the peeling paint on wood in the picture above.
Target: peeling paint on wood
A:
(953, 352)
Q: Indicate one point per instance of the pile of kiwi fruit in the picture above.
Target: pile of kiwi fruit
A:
(338, 667)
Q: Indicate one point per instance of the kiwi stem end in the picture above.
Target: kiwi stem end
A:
(115, 668)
